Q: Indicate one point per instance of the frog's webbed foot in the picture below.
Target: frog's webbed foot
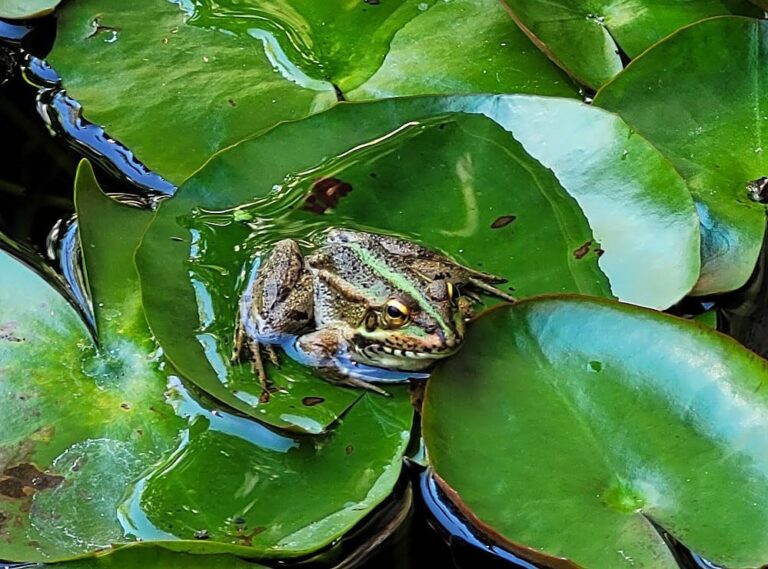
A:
(350, 381)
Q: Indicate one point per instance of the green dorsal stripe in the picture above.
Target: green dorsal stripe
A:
(381, 268)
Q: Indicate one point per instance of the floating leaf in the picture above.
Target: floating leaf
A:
(374, 166)
(157, 558)
(21, 9)
(586, 38)
(106, 446)
(152, 79)
(174, 87)
(568, 427)
(708, 120)
(463, 46)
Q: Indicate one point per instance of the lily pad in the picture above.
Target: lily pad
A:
(605, 421)
(717, 147)
(439, 52)
(176, 85)
(151, 79)
(158, 558)
(373, 166)
(22, 9)
(586, 37)
(98, 446)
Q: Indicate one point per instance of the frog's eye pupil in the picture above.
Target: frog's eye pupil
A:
(394, 312)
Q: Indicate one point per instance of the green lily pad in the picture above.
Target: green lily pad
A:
(438, 53)
(604, 420)
(492, 207)
(305, 405)
(21, 9)
(175, 86)
(157, 558)
(151, 79)
(717, 147)
(104, 447)
(586, 37)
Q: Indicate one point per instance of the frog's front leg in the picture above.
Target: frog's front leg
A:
(277, 304)
(322, 350)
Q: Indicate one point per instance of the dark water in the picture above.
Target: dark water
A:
(45, 137)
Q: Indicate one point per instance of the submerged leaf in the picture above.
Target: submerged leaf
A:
(569, 427)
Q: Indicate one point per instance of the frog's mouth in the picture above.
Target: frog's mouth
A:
(385, 356)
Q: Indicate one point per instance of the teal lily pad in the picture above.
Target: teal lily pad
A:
(102, 446)
(22, 9)
(373, 166)
(586, 38)
(175, 82)
(571, 428)
(707, 119)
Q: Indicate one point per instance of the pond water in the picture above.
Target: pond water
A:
(415, 526)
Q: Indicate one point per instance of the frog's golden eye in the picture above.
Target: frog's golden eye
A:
(453, 293)
(395, 313)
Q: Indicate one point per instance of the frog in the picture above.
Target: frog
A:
(362, 308)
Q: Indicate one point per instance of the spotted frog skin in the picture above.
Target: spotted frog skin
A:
(361, 308)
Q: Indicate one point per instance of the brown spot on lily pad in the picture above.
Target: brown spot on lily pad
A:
(12, 488)
(326, 194)
(599, 252)
(503, 221)
(583, 250)
(30, 476)
(350, 449)
(312, 401)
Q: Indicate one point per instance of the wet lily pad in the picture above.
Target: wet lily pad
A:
(106, 446)
(440, 52)
(373, 166)
(586, 38)
(175, 86)
(606, 420)
(707, 119)
(21, 9)
(158, 558)
(151, 79)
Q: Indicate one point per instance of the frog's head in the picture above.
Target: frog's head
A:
(409, 331)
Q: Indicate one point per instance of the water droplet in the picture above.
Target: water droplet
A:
(111, 36)
(600, 20)
(423, 6)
